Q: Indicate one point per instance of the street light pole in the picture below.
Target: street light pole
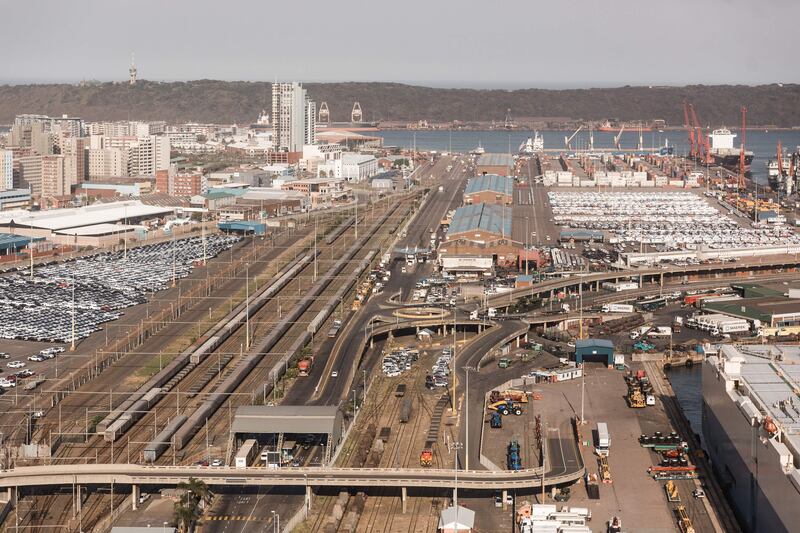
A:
(527, 245)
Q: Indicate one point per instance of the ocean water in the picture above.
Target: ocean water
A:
(762, 143)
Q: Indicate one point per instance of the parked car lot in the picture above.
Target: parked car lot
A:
(94, 290)
(675, 220)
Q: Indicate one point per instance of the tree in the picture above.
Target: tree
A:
(196, 491)
(185, 513)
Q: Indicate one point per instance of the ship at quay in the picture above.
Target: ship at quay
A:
(751, 425)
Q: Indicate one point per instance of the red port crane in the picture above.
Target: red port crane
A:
(689, 130)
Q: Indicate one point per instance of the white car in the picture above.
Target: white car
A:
(5, 384)
(15, 364)
(335, 374)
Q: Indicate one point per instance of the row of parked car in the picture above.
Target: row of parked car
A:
(398, 361)
(440, 371)
(93, 290)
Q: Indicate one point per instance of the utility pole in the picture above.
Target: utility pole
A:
(247, 304)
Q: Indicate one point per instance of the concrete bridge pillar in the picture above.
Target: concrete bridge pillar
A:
(135, 491)
(403, 497)
(9, 495)
(372, 342)
(518, 342)
(504, 496)
(309, 495)
(78, 499)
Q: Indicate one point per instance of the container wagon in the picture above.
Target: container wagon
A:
(405, 410)
(246, 454)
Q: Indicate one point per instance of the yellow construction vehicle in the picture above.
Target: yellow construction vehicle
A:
(684, 522)
(636, 398)
(672, 491)
(605, 472)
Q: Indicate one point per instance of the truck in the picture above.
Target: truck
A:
(603, 439)
(304, 366)
(505, 407)
(660, 331)
(491, 312)
(335, 327)
(441, 188)
(504, 362)
(677, 324)
(639, 332)
(496, 421)
(513, 460)
(617, 308)
(246, 454)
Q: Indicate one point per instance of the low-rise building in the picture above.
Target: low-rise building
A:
(489, 189)
(500, 164)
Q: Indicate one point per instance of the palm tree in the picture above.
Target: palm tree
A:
(197, 491)
(185, 513)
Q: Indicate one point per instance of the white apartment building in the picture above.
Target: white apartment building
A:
(351, 167)
(107, 162)
(293, 117)
(143, 155)
(71, 126)
(6, 170)
(125, 128)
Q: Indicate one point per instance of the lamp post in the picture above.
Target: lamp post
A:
(456, 446)
(276, 526)
(527, 245)
(467, 370)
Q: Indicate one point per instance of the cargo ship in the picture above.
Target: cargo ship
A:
(783, 174)
(751, 430)
(532, 145)
(723, 152)
(630, 126)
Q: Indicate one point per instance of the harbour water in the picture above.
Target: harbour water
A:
(687, 384)
(762, 143)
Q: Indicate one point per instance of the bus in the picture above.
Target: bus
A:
(246, 454)
(652, 303)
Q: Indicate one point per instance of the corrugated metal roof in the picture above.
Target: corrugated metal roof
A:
(593, 343)
(10, 242)
(495, 160)
(74, 217)
(288, 419)
(488, 217)
(490, 182)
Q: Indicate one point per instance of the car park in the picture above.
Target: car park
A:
(94, 289)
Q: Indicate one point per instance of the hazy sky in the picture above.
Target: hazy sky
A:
(465, 43)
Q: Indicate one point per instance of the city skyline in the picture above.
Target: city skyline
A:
(441, 45)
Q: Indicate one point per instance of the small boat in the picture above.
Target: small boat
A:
(479, 150)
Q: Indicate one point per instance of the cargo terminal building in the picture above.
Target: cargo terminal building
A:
(489, 189)
(478, 240)
(772, 312)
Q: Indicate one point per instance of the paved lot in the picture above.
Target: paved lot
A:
(604, 402)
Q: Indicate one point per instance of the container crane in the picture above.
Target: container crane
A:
(568, 140)
(741, 149)
(618, 137)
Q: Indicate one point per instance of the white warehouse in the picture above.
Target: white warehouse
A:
(351, 167)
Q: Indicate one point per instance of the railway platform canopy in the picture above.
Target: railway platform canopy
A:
(253, 421)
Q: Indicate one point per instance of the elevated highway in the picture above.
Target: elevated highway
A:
(365, 478)
(647, 275)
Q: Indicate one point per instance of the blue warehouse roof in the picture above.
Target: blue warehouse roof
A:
(11, 242)
(245, 226)
(490, 182)
(495, 160)
(585, 344)
(488, 217)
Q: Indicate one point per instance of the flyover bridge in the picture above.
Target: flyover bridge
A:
(365, 478)
(647, 275)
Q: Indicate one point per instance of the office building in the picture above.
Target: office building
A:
(6, 170)
(29, 173)
(175, 183)
(69, 126)
(293, 117)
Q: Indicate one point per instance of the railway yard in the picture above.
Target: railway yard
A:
(445, 388)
